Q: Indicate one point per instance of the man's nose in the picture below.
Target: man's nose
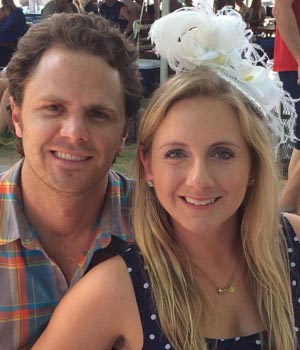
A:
(74, 128)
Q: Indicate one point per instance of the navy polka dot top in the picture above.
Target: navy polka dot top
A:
(154, 339)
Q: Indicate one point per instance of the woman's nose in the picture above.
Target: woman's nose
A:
(200, 174)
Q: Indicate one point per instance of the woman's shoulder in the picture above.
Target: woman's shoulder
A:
(114, 269)
(294, 221)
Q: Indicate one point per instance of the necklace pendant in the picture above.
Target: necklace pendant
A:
(221, 290)
(231, 288)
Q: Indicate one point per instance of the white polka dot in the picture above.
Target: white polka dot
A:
(237, 338)
(152, 336)
(293, 264)
(129, 269)
(167, 346)
(296, 329)
(146, 285)
(290, 250)
(294, 283)
(222, 339)
(258, 342)
(296, 239)
(128, 249)
(153, 317)
(299, 300)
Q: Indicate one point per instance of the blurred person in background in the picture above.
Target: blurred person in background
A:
(242, 8)
(118, 13)
(12, 27)
(91, 7)
(56, 6)
(287, 63)
(256, 14)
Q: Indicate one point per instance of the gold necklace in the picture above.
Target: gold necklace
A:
(228, 287)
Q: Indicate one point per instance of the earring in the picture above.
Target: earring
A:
(251, 182)
(150, 183)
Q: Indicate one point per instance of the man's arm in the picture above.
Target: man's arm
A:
(289, 31)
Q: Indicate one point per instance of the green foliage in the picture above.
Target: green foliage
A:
(124, 162)
(6, 138)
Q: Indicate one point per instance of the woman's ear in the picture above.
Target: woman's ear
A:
(146, 161)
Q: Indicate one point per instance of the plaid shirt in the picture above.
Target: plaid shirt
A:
(31, 283)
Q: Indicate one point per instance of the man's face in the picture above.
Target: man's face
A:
(72, 121)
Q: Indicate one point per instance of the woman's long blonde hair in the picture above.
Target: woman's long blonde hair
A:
(179, 300)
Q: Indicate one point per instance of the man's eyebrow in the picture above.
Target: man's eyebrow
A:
(52, 98)
(56, 99)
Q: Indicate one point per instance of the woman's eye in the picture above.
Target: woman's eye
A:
(224, 154)
(175, 153)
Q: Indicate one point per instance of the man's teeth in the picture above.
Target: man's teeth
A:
(67, 156)
(198, 202)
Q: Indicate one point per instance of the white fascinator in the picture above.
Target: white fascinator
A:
(193, 37)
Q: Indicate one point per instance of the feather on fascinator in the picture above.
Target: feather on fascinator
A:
(193, 37)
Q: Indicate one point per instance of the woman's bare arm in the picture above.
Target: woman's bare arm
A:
(97, 313)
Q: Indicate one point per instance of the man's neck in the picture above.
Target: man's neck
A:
(62, 222)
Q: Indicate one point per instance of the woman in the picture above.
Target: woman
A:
(256, 14)
(12, 27)
(213, 268)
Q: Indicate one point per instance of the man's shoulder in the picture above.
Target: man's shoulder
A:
(9, 185)
(12, 175)
(51, 3)
(49, 8)
(120, 179)
(10, 203)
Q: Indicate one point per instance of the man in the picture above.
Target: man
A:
(74, 85)
(287, 63)
(56, 6)
(118, 13)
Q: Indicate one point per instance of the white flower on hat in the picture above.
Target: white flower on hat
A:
(192, 37)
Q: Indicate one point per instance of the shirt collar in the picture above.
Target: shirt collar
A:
(13, 224)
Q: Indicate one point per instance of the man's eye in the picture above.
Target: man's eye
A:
(175, 154)
(53, 108)
(97, 115)
(224, 154)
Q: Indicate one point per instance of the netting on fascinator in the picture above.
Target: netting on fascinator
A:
(193, 37)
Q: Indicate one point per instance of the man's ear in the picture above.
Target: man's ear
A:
(16, 118)
(146, 161)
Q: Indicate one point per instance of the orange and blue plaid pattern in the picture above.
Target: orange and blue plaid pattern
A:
(31, 283)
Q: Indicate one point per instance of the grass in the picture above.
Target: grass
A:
(124, 162)
(6, 138)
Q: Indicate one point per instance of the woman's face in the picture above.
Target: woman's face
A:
(200, 165)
